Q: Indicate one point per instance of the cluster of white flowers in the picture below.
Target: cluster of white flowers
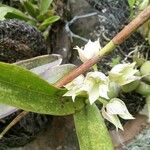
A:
(96, 85)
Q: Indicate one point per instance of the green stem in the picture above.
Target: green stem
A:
(95, 68)
(148, 105)
(118, 39)
(85, 66)
(103, 101)
(143, 89)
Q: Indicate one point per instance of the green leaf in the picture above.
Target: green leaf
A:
(148, 105)
(44, 61)
(23, 89)
(48, 22)
(44, 5)
(46, 15)
(53, 74)
(30, 8)
(131, 3)
(91, 130)
(37, 65)
(10, 12)
(145, 71)
(143, 89)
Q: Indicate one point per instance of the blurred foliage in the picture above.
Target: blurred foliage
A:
(136, 6)
(39, 13)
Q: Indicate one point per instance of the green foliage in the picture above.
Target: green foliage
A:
(91, 130)
(23, 89)
(115, 61)
(148, 105)
(44, 5)
(4, 10)
(145, 71)
(140, 5)
(131, 3)
(37, 13)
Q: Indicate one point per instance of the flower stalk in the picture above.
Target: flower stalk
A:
(117, 40)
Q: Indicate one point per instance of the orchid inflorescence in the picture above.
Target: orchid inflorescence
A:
(99, 87)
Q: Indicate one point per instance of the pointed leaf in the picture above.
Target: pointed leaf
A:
(148, 105)
(37, 65)
(53, 74)
(10, 12)
(41, 63)
(30, 8)
(44, 5)
(23, 89)
(91, 130)
(48, 22)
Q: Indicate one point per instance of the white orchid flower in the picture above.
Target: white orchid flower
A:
(75, 87)
(123, 73)
(118, 107)
(112, 118)
(90, 50)
(113, 108)
(96, 85)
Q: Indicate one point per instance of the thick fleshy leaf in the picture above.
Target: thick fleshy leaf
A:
(6, 110)
(148, 105)
(91, 130)
(37, 65)
(53, 74)
(23, 89)
(41, 63)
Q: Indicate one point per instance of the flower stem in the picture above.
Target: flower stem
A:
(103, 101)
(118, 39)
(95, 67)
(148, 105)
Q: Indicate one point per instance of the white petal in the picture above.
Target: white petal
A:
(93, 94)
(119, 68)
(77, 81)
(71, 93)
(103, 89)
(118, 107)
(128, 80)
(81, 53)
(126, 116)
(123, 73)
(112, 118)
(90, 50)
(96, 75)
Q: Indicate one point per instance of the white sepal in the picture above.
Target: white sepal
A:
(96, 84)
(118, 107)
(90, 50)
(112, 118)
(123, 73)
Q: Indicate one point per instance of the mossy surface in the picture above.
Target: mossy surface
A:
(18, 41)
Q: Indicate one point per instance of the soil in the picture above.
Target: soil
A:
(111, 17)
